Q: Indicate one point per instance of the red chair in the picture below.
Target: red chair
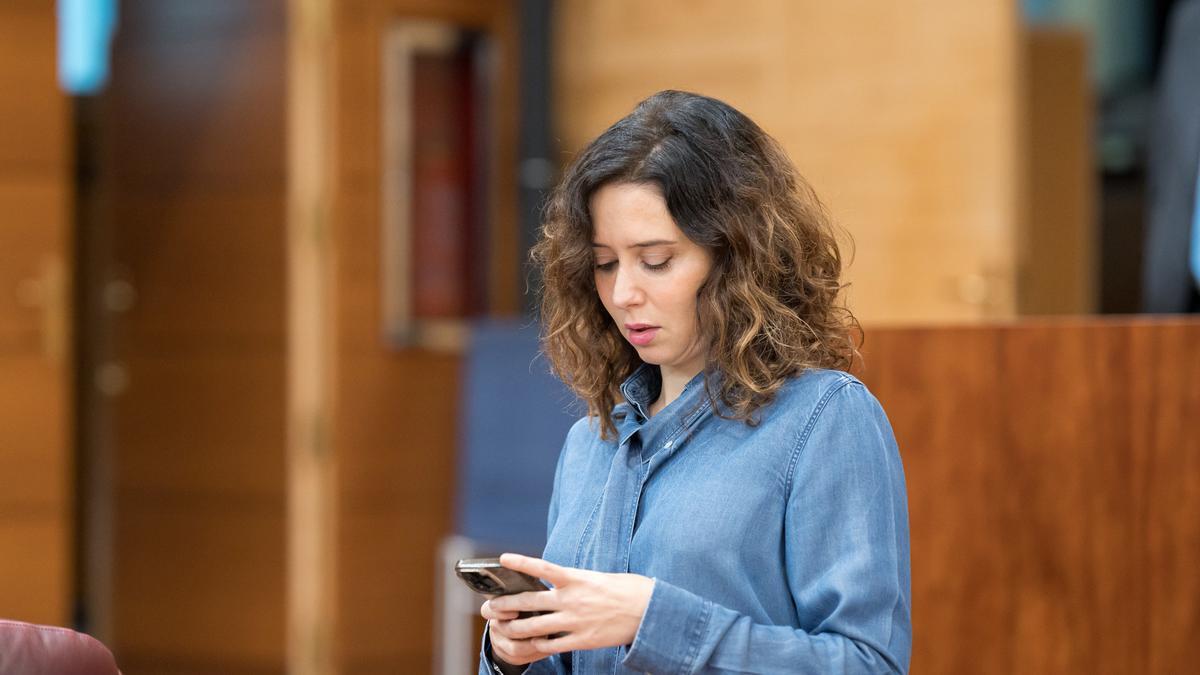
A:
(30, 649)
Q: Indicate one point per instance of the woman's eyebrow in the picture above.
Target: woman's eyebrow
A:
(640, 244)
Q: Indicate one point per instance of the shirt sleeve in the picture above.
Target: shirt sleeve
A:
(846, 554)
(486, 665)
(551, 665)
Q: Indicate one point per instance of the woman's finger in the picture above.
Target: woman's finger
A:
(500, 627)
(532, 601)
(536, 626)
(556, 645)
(490, 613)
(516, 652)
(536, 567)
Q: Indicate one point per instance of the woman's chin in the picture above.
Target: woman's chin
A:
(649, 354)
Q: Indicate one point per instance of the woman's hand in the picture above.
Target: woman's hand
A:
(590, 609)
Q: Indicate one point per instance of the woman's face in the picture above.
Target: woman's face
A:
(648, 275)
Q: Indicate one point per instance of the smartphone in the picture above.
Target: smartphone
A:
(488, 577)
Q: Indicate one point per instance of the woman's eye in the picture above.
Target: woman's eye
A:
(657, 267)
(606, 266)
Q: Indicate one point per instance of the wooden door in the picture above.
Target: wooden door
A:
(193, 178)
(35, 400)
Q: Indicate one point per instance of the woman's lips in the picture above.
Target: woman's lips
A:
(642, 336)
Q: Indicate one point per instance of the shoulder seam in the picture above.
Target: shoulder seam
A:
(802, 441)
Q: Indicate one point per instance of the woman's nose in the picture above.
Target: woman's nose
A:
(626, 292)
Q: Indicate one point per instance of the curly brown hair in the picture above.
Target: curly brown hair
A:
(769, 308)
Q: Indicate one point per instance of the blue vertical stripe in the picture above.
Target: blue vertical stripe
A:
(1195, 257)
(85, 29)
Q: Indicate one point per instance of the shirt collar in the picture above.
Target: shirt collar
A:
(642, 388)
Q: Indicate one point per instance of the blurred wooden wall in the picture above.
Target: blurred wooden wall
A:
(1053, 472)
(194, 181)
(36, 255)
(904, 117)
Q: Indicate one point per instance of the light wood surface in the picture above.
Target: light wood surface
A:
(311, 469)
(902, 115)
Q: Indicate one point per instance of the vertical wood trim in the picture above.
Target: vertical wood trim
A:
(1002, 263)
(1056, 252)
(311, 591)
(507, 278)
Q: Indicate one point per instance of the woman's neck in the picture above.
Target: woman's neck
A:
(673, 382)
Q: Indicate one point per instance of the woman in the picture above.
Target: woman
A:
(734, 501)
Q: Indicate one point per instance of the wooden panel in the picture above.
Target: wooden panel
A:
(1058, 236)
(188, 425)
(1166, 486)
(394, 413)
(34, 464)
(33, 136)
(35, 569)
(194, 193)
(385, 445)
(396, 470)
(385, 601)
(36, 467)
(33, 217)
(358, 311)
(197, 22)
(949, 558)
(1067, 454)
(1052, 475)
(218, 127)
(199, 579)
(207, 265)
(903, 116)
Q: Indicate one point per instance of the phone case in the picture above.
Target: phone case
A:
(488, 577)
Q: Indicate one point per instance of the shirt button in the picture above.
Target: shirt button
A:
(667, 445)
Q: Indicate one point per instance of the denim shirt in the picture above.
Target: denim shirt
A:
(775, 548)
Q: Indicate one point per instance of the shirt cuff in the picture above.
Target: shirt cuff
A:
(671, 631)
(487, 663)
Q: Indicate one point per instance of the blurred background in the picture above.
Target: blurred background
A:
(267, 346)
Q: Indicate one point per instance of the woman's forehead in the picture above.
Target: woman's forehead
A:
(631, 214)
